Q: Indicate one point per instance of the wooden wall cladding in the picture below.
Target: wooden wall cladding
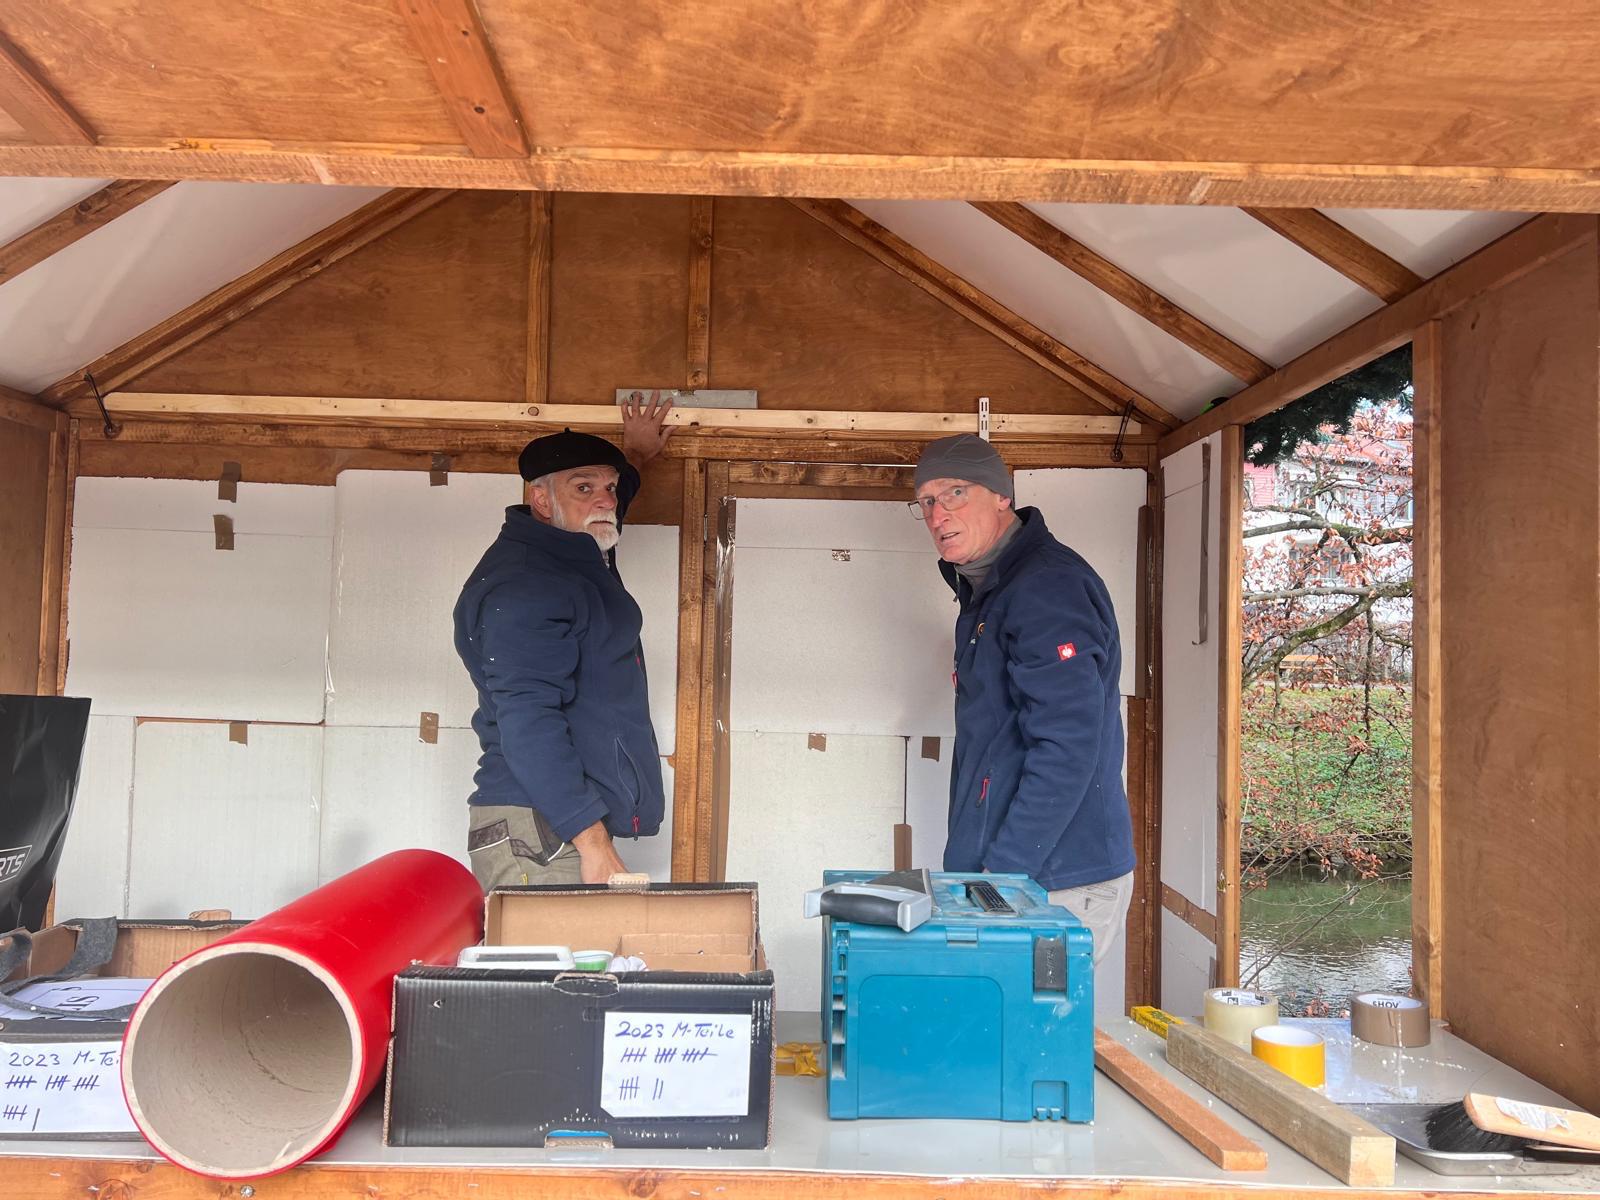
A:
(619, 294)
(24, 499)
(436, 309)
(1521, 672)
(812, 322)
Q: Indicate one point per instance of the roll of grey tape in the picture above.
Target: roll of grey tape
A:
(1389, 1020)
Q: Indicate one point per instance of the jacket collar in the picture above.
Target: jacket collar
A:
(522, 526)
(1033, 533)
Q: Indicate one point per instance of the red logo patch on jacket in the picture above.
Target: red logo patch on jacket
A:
(1066, 650)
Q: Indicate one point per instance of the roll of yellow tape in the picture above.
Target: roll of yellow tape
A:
(1298, 1053)
(1234, 1014)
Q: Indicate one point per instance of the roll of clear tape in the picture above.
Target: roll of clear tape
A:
(1235, 1014)
(1385, 1019)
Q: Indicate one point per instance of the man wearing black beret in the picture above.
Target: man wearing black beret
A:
(551, 639)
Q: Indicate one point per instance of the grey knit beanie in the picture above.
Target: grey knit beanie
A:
(965, 456)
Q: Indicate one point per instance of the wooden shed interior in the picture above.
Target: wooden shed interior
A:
(488, 218)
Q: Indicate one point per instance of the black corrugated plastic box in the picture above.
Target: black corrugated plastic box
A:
(677, 1055)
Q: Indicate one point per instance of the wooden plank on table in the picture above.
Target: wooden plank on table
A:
(1338, 1141)
(74, 222)
(700, 245)
(540, 250)
(1502, 261)
(1128, 291)
(691, 602)
(30, 100)
(1230, 652)
(983, 310)
(452, 41)
(1330, 242)
(1427, 745)
(460, 412)
(1191, 1120)
(242, 296)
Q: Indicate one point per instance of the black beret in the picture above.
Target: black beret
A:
(566, 451)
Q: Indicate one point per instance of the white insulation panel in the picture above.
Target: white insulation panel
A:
(794, 812)
(834, 524)
(1096, 512)
(647, 560)
(387, 789)
(841, 641)
(402, 550)
(217, 824)
(92, 876)
(161, 623)
(927, 808)
(188, 505)
(1189, 717)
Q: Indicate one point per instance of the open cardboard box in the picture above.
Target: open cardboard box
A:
(64, 1075)
(509, 1057)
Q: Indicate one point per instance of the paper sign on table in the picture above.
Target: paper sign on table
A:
(62, 1088)
(84, 996)
(675, 1064)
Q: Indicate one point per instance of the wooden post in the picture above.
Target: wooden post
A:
(1427, 722)
(700, 243)
(713, 734)
(1230, 651)
(540, 246)
(57, 537)
(691, 598)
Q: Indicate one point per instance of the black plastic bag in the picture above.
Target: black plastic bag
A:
(41, 753)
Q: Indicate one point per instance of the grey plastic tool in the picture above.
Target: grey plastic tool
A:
(902, 898)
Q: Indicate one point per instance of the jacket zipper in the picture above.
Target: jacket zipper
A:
(983, 792)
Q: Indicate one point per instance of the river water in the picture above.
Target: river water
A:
(1362, 943)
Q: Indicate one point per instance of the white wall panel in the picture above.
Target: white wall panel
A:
(794, 812)
(162, 623)
(833, 524)
(187, 505)
(1189, 716)
(647, 560)
(222, 825)
(927, 808)
(92, 875)
(841, 641)
(387, 789)
(1096, 512)
(402, 551)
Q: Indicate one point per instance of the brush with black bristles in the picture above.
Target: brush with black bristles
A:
(1483, 1124)
(1450, 1129)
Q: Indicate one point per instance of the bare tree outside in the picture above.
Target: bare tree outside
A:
(1327, 703)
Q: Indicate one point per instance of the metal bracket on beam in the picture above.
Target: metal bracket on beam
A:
(700, 398)
(983, 417)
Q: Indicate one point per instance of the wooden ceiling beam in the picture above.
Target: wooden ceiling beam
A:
(451, 38)
(241, 297)
(67, 226)
(1124, 288)
(981, 309)
(722, 172)
(1354, 258)
(1510, 257)
(541, 250)
(23, 409)
(27, 97)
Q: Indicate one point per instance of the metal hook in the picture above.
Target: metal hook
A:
(111, 429)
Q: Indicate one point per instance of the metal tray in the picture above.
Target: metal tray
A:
(1406, 1123)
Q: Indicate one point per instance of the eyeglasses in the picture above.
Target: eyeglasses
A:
(951, 500)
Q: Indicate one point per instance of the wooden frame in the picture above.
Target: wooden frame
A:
(541, 244)
(452, 42)
(1330, 242)
(27, 96)
(1427, 722)
(57, 558)
(75, 221)
(701, 211)
(1230, 652)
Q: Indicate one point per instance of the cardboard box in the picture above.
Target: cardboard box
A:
(60, 1078)
(676, 1055)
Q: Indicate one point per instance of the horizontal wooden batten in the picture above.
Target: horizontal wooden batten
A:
(1501, 261)
(358, 410)
(778, 173)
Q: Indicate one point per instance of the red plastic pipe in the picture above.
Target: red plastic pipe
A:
(249, 1056)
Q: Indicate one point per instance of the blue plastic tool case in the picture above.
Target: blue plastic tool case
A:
(973, 1014)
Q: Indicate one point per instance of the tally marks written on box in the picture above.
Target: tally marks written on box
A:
(676, 1064)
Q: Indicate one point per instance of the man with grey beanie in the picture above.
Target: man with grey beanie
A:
(1036, 785)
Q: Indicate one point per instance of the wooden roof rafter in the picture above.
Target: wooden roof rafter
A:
(1330, 242)
(75, 221)
(240, 297)
(30, 100)
(1136, 296)
(451, 38)
(981, 309)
